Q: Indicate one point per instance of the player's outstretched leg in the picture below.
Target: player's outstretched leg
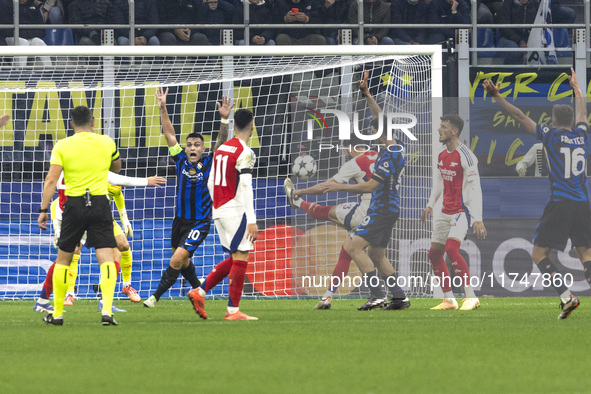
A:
(288, 188)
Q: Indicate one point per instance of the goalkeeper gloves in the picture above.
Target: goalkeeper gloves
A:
(127, 229)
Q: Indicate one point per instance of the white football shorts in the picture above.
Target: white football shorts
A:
(351, 214)
(449, 226)
(232, 233)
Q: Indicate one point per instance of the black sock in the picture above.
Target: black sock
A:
(546, 266)
(190, 275)
(395, 291)
(587, 266)
(168, 279)
(375, 291)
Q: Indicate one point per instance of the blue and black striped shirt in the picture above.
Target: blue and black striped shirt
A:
(192, 196)
(566, 153)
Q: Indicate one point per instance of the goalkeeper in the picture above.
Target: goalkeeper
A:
(122, 252)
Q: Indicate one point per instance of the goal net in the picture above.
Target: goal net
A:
(294, 93)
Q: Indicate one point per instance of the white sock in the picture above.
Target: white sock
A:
(449, 296)
(469, 291)
(69, 294)
(42, 301)
(565, 297)
(125, 284)
(202, 292)
(327, 294)
(232, 309)
(297, 202)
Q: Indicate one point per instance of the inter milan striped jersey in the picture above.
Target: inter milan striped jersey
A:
(388, 171)
(193, 201)
(567, 161)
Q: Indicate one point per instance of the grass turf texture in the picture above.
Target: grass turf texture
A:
(508, 345)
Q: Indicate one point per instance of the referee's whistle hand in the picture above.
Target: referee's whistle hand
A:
(42, 220)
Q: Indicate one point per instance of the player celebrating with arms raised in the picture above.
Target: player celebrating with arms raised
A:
(567, 214)
(230, 185)
(193, 205)
(458, 179)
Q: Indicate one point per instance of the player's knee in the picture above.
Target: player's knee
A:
(452, 248)
(123, 246)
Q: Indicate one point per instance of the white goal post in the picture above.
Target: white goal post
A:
(286, 87)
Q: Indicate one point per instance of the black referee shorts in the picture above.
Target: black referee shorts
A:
(96, 220)
(562, 220)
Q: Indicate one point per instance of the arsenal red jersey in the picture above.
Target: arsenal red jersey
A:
(456, 168)
(230, 160)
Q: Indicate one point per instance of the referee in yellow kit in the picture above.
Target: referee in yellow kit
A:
(85, 158)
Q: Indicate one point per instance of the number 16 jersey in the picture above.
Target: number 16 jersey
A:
(566, 152)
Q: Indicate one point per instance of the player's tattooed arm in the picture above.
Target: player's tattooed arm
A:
(225, 108)
(167, 127)
(517, 114)
(374, 108)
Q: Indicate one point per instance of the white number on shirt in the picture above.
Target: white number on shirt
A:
(221, 164)
(572, 161)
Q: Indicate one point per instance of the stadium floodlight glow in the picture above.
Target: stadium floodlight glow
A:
(283, 86)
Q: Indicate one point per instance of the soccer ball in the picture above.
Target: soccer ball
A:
(304, 167)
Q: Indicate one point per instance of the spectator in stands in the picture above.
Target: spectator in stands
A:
(260, 12)
(146, 13)
(183, 12)
(409, 12)
(374, 12)
(298, 12)
(516, 12)
(334, 12)
(29, 14)
(561, 13)
(52, 11)
(446, 12)
(91, 12)
(216, 12)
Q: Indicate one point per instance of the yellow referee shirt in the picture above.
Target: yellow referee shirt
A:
(86, 158)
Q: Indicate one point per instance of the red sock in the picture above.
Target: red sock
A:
(440, 268)
(452, 248)
(218, 274)
(48, 284)
(341, 269)
(316, 211)
(118, 267)
(237, 275)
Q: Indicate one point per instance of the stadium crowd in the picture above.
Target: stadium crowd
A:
(223, 12)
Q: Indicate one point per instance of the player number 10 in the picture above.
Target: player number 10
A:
(572, 160)
(221, 163)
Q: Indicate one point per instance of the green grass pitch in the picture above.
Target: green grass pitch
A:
(507, 346)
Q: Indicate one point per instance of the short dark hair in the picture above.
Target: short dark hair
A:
(455, 120)
(81, 116)
(564, 114)
(195, 135)
(242, 118)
